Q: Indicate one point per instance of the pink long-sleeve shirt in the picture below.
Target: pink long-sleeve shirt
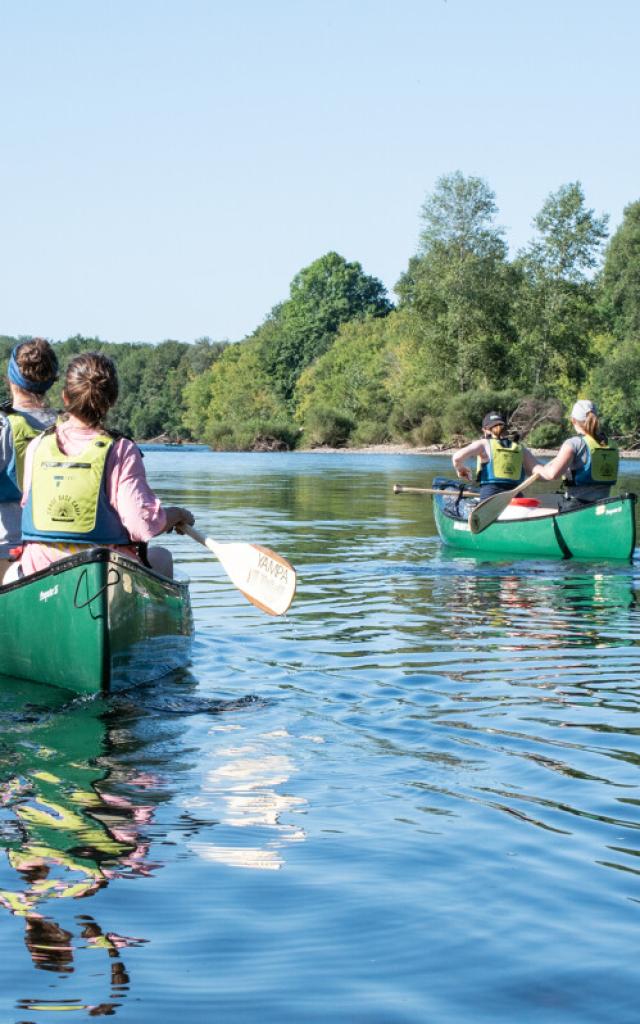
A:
(127, 489)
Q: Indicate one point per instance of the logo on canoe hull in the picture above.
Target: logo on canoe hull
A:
(46, 594)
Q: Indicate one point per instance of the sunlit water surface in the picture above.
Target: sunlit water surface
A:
(414, 799)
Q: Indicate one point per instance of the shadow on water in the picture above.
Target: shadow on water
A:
(77, 806)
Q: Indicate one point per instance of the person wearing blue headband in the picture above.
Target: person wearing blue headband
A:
(32, 370)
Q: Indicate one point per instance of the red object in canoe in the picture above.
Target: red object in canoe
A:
(525, 502)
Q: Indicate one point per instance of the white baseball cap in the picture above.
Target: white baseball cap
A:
(581, 410)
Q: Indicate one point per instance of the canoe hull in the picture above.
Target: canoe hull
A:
(94, 622)
(605, 530)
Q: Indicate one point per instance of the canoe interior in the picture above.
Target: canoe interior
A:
(94, 622)
(604, 530)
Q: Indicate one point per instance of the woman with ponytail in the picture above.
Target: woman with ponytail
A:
(85, 486)
(32, 370)
(588, 463)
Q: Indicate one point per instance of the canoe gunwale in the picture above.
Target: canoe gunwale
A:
(89, 557)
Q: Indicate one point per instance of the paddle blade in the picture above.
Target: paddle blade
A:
(264, 577)
(487, 511)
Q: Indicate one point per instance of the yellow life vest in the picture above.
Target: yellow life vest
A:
(22, 432)
(68, 498)
(601, 466)
(605, 459)
(505, 465)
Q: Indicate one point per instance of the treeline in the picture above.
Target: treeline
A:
(152, 381)
(473, 328)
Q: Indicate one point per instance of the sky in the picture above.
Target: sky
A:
(168, 166)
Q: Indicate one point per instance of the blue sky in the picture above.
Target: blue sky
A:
(168, 167)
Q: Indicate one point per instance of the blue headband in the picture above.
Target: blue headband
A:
(14, 375)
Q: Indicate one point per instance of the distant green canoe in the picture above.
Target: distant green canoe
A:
(604, 530)
(94, 622)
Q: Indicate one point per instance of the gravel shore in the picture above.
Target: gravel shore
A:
(405, 449)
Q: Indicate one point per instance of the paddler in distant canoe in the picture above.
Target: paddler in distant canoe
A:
(501, 462)
(586, 461)
(85, 486)
(32, 371)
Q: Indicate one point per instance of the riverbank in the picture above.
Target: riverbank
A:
(435, 449)
(391, 448)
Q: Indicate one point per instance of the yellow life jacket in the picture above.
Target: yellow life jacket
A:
(505, 465)
(601, 466)
(68, 500)
(22, 432)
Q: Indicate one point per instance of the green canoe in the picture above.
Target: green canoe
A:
(94, 622)
(604, 530)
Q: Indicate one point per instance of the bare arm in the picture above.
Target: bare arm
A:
(529, 461)
(469, 451)
(558, 465)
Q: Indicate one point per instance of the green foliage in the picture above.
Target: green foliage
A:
(621, 276)
(463, 414)
(547, 435)
(459, 215)
(323, 296)
(151, 381)
(411, 411)
(368, 432)
(555, 309)
(336, 364)
(252, 436)
(459, 286)
(327, 427)
(569, 235)
(428, 431)
(351, 375)
(615, 381)
(235, 391)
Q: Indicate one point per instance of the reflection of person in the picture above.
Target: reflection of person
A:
(104, 499)
(32, 370)
(586, 460)
(500, 461)
(74, 838)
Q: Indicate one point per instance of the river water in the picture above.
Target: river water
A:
(414, 799)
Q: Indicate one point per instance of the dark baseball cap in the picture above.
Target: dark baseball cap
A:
(492, 419)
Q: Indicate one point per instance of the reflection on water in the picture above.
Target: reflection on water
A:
(74, 819)
(67, 831)
(415, 798)
(244, 781)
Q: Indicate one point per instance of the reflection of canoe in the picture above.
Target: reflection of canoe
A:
(604, 530)
(93, 622)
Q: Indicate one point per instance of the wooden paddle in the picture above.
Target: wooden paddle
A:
(399, 489)
(264, 577)
(487, 511)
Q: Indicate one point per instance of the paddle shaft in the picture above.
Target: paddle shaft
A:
(399, 489)
(193, 533)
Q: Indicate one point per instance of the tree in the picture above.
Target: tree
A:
(324, 295)
(458, 284)
(614, 380)
(350, 377)
(233, 394)
(621, 276)
(555, 312)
